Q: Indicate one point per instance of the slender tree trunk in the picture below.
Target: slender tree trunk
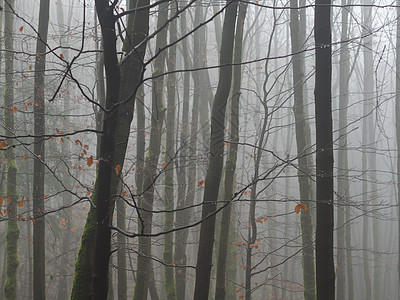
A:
(230, 166)
(12, 234)
(121, 256)
(367, 107)
(303, 152)
(63, 290)
(39, 279)
(150, 167)
(169, 280)
(342, 176)
(325, 273)
(398, 126)
(182, 216)
(214, 172)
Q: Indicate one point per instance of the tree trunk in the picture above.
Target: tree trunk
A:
(107, 165)
(398, 126)
(366, 142)
(214, 172)
(150, 166)
(131, 74)
(325, 273)
(169, 280)
(342, 175)
(12, 234)
(121, 256)
(230, 166)
(303, 153)
(39, 276)
(182, 216)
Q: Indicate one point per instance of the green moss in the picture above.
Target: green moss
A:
(12, 262)
(12, 164)
(82, 286)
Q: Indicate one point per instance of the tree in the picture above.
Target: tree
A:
(230, 165)
(214, 171)
(131, 69)
(146, 199)
(325, 273)
(12, 234)
(39, 278)
(398, 120)
(303, 152)
(342, 176)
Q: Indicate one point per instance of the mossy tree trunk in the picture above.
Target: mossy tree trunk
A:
(230, 165)
(214, 171)
(12, 234)
(150, 166)
(325, 272)
(303, 153)
(131, 68)
(39, 276)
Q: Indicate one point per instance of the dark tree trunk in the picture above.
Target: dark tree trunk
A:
(214, 172)
(325, 273)
(39, 276)
(150, 166)
(182, 216)
(230, 165)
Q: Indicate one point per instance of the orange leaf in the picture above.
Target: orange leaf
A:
(14, 109)
(45, 196)
(118, 169)
(3, 144)
(61, 56)
(299, 207)
(21, 28)
(25, 158)
(90, 161)
(164, 164)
